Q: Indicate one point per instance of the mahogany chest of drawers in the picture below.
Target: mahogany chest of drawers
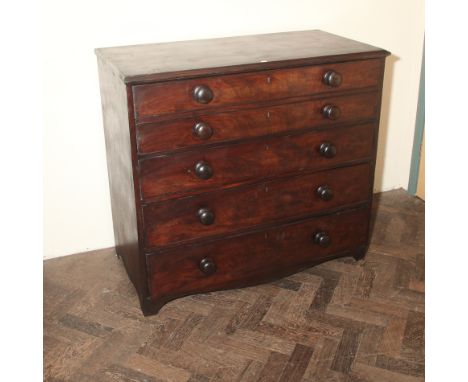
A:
(239, 160)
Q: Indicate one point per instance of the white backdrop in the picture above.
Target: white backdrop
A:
(77, 205)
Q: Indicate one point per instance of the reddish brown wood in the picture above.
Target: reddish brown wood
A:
(254, 122)
(256, 162)
(253, 258)
(176, 97)
(243, 207)
(174, 175)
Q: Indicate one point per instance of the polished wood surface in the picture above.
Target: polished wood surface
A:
(269, 202)
(219, 146)
(174, 175)
(254, 122)
(176, 96)
(151, 62)
(255, 257)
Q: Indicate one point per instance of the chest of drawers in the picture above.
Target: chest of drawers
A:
(239, 160)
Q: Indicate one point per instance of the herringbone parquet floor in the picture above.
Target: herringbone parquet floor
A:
(340, 321)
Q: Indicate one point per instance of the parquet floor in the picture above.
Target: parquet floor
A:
(340, 321)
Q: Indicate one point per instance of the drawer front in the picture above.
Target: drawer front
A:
(255, 122)
(227, 211)
(255, 257)
(206, 93)
(191, 172)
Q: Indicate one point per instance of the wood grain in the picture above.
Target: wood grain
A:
(250, 122)
(168, 176)
(176, 97)
(270, 202)
(254, 257)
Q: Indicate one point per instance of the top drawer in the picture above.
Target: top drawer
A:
(205, 93)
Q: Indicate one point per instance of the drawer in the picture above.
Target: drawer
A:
(226, 211)
(172, 97)
(255, 257)
(194, 172)
(254, 122)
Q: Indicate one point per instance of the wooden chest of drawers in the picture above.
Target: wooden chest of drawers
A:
(239, 160)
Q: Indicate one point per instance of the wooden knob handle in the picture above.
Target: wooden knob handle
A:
(324, 192)
(202, 94)
(331, 112)
(327, 150)
(203, 170)
(206, 216)
(202, 130)
(322, 239)
(207, 266)
(332, 78)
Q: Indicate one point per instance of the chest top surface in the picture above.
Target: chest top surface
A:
(183, 59)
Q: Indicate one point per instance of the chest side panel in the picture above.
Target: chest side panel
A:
(119, 151)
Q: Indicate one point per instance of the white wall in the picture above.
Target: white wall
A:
(77, 206)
